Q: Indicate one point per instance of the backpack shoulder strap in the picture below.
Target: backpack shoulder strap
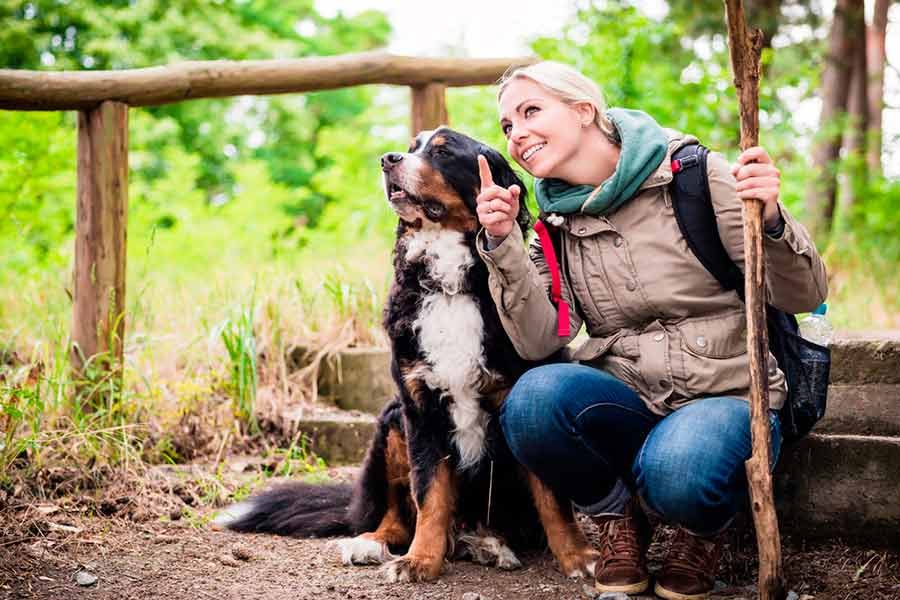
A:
(547, 245)
(696, 217)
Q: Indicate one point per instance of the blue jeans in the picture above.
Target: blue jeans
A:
(593, 440)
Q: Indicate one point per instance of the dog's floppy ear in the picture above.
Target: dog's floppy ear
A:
(504, 176)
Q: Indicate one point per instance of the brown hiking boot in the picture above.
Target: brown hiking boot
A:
(623, 542)
(689, 570)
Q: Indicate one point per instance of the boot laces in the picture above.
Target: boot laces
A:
(621, 543)
(692, 554)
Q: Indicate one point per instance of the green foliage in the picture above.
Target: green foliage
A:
(37, 189)
(282, 132)
(240, 343)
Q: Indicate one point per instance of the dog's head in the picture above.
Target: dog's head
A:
(435, 183)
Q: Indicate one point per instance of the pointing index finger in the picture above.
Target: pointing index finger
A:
(484, 172)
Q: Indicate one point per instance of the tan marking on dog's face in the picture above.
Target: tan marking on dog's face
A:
(457, 215)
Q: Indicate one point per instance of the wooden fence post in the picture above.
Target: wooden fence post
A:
(98, 323)
(429, 107)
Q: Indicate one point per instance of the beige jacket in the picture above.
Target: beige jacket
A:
(657, 319)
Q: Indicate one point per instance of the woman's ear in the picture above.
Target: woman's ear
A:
(587, 113)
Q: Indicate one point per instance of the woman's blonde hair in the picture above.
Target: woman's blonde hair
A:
(566, 83)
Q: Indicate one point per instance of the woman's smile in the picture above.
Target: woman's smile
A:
(531, 151)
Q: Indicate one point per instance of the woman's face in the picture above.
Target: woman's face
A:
(543, 133)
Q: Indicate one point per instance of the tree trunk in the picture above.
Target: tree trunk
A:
(857, 118)
(875, 57)
(822, 192)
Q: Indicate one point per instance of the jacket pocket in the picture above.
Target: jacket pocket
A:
(713, 355)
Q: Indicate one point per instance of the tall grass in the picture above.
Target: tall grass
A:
(240, 343)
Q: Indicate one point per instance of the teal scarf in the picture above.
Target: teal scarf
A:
(644, 145)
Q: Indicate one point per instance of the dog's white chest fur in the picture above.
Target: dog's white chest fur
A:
(450, 331)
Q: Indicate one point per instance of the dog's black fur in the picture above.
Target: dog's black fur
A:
(433, 189)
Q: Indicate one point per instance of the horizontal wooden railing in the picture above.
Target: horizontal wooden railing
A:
(78, 90)
(103, 99)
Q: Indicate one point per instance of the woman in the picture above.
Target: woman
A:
(655, 417)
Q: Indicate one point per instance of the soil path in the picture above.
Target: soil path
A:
(177, 561)
(139, 553)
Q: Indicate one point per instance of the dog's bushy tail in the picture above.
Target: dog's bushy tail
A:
(293, 509)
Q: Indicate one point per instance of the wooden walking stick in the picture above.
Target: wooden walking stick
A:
(745, 47)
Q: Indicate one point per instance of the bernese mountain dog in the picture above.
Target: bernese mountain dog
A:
(438, 481)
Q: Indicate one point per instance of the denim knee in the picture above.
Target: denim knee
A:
(690, 469)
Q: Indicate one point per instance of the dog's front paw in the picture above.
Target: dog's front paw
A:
(362, 550)
(579, 563)
(413, 568)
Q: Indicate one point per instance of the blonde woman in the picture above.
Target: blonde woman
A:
(655, 416)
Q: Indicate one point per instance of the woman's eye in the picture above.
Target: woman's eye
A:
(506, 129)
(531, 110)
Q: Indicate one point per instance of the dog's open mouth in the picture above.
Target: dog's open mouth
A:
(396, 193)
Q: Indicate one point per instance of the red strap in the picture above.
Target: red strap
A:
(562, 326)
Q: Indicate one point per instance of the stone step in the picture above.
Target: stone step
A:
(353, 379)
(360, 379)
(866, 360)
(828, 486)
(338, 437)
(862, 409)
(845, 486)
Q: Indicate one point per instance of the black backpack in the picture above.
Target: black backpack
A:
(805, 364)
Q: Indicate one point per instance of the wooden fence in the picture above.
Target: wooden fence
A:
(103, 98)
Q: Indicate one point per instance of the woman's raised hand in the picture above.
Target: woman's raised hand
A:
(497, 207)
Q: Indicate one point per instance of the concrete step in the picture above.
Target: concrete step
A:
(338, 437)
(865, 360)
(353, 379)
(842, 481)
(826, 486)
(845, 486)
(862, 409)
(360, 378)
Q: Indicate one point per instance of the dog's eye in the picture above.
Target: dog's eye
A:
(440, 151)
(434, 210)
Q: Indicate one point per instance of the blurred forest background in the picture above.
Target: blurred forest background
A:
(258, 223)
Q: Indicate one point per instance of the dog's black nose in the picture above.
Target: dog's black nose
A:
(389, 160)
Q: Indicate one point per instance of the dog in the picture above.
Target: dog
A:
(438, 480)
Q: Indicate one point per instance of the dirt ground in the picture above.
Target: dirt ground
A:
(47, 548)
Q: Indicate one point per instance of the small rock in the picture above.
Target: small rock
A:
(85, 578)
(612, 596)
(792, 595)
(473, 596)
(241, 552)
(228, 561)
